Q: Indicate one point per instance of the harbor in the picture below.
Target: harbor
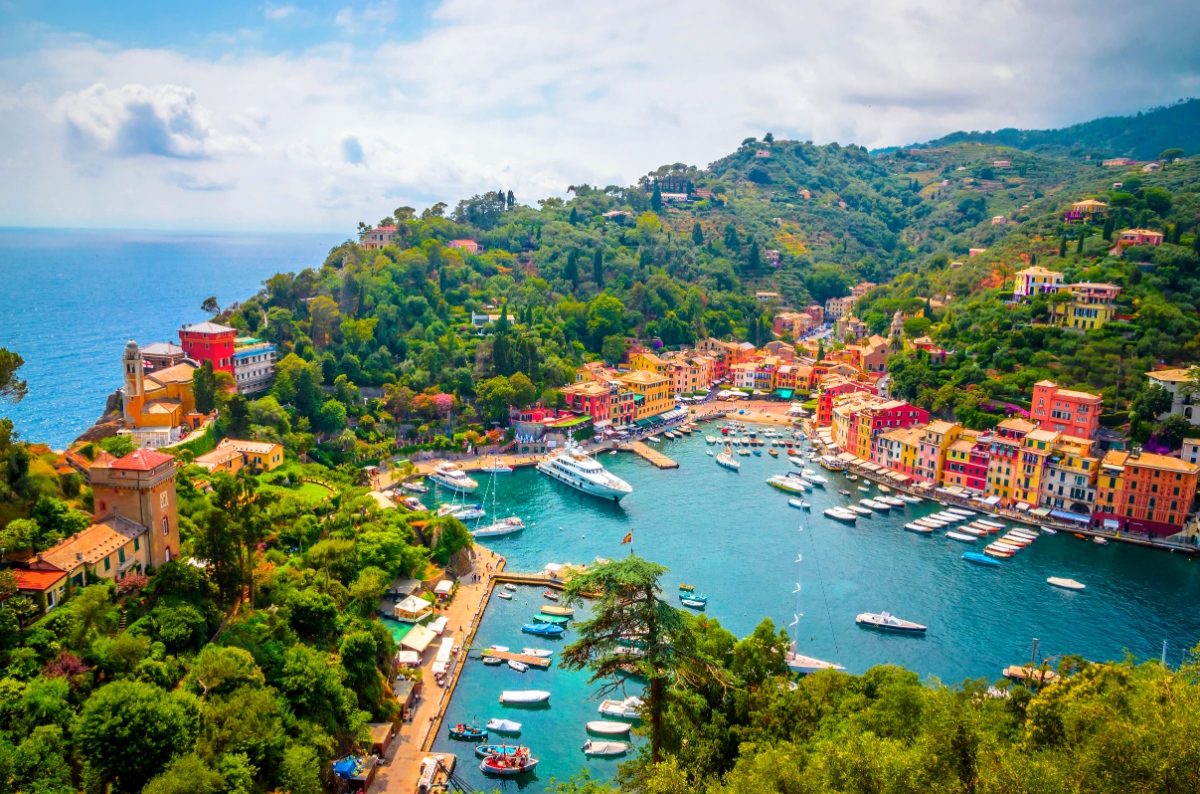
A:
(736, 538)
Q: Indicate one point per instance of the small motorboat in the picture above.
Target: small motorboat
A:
(508, 765)
(799, 663)
(510, 587)
(557, 620)
(981, 559)
(844, 492)
(862, 511)
(687, 587)
(608, 727)
(961, 537)
(912, 500)
(503, 726)
(596, 748)
(492, 661)
(520, 667)
(884, 489)
(497, 467)
(920, 529)
(840, 514)
(864, 488)
(1099, 541)
(875, 505)
(630, 708)
(543, 629)
(885, 621)
(708, 452)
(541, 653)
(1066, 584)
(773, 452)
(692, 594)
(799, 504)
(415, 487)
(551, 595)
(551, 609)
(1048, 530)
(468, 733)
(507, 596)
(484, 750)
(511, 696)
(501, 648)
(654, 439)
(692, 603)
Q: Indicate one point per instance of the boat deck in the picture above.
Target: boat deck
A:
(542, 662)
(652, 455)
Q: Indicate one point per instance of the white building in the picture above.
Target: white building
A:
(253, 365)
(1183, 403)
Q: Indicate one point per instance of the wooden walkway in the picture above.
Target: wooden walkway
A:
(542, 662)
(535, 579)
(653, 455)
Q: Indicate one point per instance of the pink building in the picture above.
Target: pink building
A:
(376, 237)
(1132, 237)
(1073, 413)
(469, 246)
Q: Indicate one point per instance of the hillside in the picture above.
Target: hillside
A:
(1143, 136)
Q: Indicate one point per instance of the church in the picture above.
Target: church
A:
(158, 405)
(135, 527)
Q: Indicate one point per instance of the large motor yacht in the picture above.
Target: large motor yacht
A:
(576, 468)
(450, 476)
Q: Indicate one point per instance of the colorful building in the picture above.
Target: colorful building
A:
(1069, 478)
(831, 388)
(591, 398)
(1144, 493)
(836, 308)
(253, 364)
(649, 362)
(375, 237)
(652, 393)
(936, 438)
(1036, 280)
(1132, 237)
(158, 407)
(1031, 464)
(1177, 383)
(1073, 413)
(1090, 307)
(209, 342)
(967, 462)
(1003, 462)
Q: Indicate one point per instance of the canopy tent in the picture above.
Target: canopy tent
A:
(419, 639)
(872, 467)
(438, 624)
(445, 650)
(412, 609)
(443, 588)
(991, 500)
(898, 477)
(1067, 515)
(408, 658)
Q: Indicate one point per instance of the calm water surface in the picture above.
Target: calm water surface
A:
(73, 298)
(736, 539)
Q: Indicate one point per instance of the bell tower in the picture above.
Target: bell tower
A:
(134, 391)
(141, 488)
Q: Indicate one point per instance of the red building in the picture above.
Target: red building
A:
(829, 391)
(209, 342)
(1072, 413)
(591, 399)
(1144, 493)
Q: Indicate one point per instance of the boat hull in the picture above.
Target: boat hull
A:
(582, 485)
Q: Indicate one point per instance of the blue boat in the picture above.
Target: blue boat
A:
(687, 596)
(543, 629)
(980, 559)
(486, 750)
(468, 733)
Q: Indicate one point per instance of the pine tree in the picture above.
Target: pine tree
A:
(656, 203)
(598, 268)
(755, 260)
(571, 271)
(512, 202)
(573, 218)
(1109, 224)
(1079, 245)
(1062, 246)
(697, 233)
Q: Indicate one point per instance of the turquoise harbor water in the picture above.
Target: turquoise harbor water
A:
(736, 539)
(73, 298)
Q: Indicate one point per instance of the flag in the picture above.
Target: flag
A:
(628, 539)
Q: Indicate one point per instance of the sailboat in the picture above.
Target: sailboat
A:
(798, 662)
(500, 526)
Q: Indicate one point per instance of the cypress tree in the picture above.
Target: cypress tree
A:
(573, 218)
(656, 199)
(598, 268)
(571, 271)
(1109, 224)
(1062, 246)
(697, 234)
(755, 261)
(1079, 245)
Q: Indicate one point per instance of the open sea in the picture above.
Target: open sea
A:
(736, 539)
(72, 298)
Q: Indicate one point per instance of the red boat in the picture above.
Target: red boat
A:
(724, 431)
(509, 764)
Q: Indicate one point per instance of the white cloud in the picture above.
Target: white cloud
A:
(278, 13)
(538, 96)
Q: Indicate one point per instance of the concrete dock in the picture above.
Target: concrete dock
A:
(653, 455)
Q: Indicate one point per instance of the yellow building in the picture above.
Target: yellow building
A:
(937, 437)
(652, 393)
(158, 406)
(1035, 451)
(1004, 462)
(958, 459)
(649, 362)
(233, 454)
(1091, 306)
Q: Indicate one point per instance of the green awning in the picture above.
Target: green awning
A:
(641, 422)
(784, 394)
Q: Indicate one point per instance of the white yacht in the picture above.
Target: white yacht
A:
(577, 469)
(453, 478)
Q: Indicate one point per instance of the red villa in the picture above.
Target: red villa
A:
(209, 342)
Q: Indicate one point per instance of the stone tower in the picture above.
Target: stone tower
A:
(896, 333)
(134, 392)
(141, 488)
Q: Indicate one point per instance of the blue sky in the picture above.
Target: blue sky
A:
(291, 115)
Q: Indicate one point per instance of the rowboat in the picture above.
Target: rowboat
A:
(1066, 584)
(1099, 541)
(541, 653)
(503, 726)
(557, 620)
(596, 748)
(491, 661)
(510, 586)
(543, 629)
(961, 537)
(468, 733)
(688, 587)
(799, 504)
(608, 727)
(508, 765)
(885, 621)
(978, 533)
(507, 596)
(862, 511)
(520, 667)
(890, 500)
(980, 559)
(692, 603)
(485, 750)
(876, 506)
(524, 696)
(912, 500)
(551, 609)
(992, 551)
(1049, 530)
(550, 594)
(913, 526)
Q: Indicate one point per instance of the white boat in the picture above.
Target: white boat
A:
(504, 726)
(912, 526)
(785, 483)
(541, 653)
(1066, 584)
(883, 488)
(416, 486)
(708, 452)
(574, 467)
(799, 663)
(654, 439)
(958, 511)
(520, 667)
(959, 536)
(987, 523)
(726, 460)
(497, 467)
(596, 748)
(912, 500)
(979, 533)
(507, 596)
(888, 622)
(710, 440)
(799, 504)
(505, 526)
(864, 488)
(862, 511)
(629, 708)
(841, 514)
(890, 500)
(609, 727)
(1099, 541)
(460, 511)
(501, 648)
(510, 586)
(453, 478)
(816, 479)
(524, 696)
(1048, 530)
(874, 505)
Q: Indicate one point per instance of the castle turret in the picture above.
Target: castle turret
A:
(134, 390)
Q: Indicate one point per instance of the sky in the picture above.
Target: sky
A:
(291, 116)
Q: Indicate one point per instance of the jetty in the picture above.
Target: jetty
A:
(652, 455)
(542, 662)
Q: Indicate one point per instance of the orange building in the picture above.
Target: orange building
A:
(1073, 413)
(157, 406)
(1144, 493)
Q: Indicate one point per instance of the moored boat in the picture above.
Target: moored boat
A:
(543, 629)
(520, 667)
(692, 603)
(505, 526)
(920, 529)
(596, 748)
(726, 460)
(503, 726)
(799, 504)
(507, 596)
(453, 478)
(980, 559)
(574, 467)
(1099, 541)
(799, 663)
(1066, 584)
(510, 696)
(840, 514)
(508, 765)
(1048, 530)
(628, 708)
(541, 653)
(484, 750)
(551, 609)
(554, 620)
(785, 483)
(609, 727)
(468, 733)
(885, 621)
(550, 595)
(960, 537)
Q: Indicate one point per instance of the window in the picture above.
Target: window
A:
(166, 526)
(107, 563)
(135, 544)
(121, 556)
(162, 500)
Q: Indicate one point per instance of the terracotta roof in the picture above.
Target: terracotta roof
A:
(92, 544)
(1170, 375)
(144, 459)
(180, 373)
(940, 426)
(38, 580)
(1149, 460)
(1042, 435)
(218, 457)
(161, 407)
(255, 447)
(1016, 423)
(162, 349)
